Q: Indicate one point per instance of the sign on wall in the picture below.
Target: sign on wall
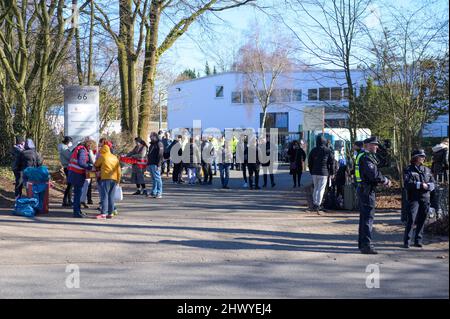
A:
(81, 112)
(313, 118)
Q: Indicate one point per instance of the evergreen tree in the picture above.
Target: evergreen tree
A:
(207, 69)
(214, 70)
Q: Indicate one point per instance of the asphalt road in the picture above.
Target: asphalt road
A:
(204, 242)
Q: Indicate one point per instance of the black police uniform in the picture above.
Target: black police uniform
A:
(371, 177)
(418, 200)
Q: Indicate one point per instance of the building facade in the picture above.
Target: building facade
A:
(221, 101)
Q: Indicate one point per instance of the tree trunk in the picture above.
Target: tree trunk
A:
(124, 91)
(149, 72)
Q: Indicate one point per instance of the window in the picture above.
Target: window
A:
(296, 95)
(236, 97)
(278, 120)
(336, 94)
(312, 94)
(285, 95)
(324, 94)
(346, 92)
(336, 123)
(219, 91)
(248, 97)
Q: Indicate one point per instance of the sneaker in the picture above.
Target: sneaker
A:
(101, 216)
(418, 245)
(115, 212)
(84, 205)
(90, 202)
(245, 185)
(158, 196)
(145, 193)
(273, 185)
(109, 216)
(138, 192)
(405, 246)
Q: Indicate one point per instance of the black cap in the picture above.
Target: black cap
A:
(67, 139)
(419, 152)
(19, 139)
(359, 143)
(372, 140)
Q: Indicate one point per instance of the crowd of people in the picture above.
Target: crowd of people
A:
(200, 158)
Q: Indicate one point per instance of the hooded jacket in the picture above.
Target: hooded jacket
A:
(321, 159)
(109, 165)
(29, 157)
(440, 158)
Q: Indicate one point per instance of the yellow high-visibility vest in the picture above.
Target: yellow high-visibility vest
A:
(357, 173)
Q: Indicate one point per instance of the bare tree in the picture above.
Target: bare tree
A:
(410, 72)
(328, 31)
(262, 60)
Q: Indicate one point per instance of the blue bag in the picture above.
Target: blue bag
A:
(36, 174)
(25, 207)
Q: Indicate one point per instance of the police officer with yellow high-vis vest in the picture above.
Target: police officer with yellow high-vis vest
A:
(367, 177)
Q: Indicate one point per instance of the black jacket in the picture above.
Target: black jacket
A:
(297, 156)
(267, 155)
(155, 153)
(321, 159)
(414, 176)
(368, 169)
(15, 152)
(29, 157)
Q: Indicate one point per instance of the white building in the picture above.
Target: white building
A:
(218, 100)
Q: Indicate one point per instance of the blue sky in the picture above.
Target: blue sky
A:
(186, 53)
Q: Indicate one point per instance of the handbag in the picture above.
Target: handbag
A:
(118, 194)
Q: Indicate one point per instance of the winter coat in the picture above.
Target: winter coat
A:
(440, 159)
(137, 173)
(109, 165)
(414, 177)
(64, 154)
(321, 159)
(266, 158)
(207, 152)
(82, 161)
(156, 153)
(297, 156)
(15, 152)
(194, 155)
(29, 157)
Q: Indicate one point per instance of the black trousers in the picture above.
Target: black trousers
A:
(416, 214)
(253, 169)
(177, 171)
(297, 177)
(366, 197)
(244, 171)
(67, 199)
(268, 170)
(18, 186)
(207, 172)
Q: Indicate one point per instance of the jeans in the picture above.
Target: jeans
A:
(107, 187)
(253, 169)
(214, 166)
(192, 174)
(207, 173)
(19, 184)
(224, 174)
(244, 171)
(77, 189)
(320, 184)
(157, 188)
(87, 191)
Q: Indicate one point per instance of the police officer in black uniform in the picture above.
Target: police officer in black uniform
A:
(418, 182)
(370, 178)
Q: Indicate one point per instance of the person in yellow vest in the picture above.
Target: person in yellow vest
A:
(110, 174)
